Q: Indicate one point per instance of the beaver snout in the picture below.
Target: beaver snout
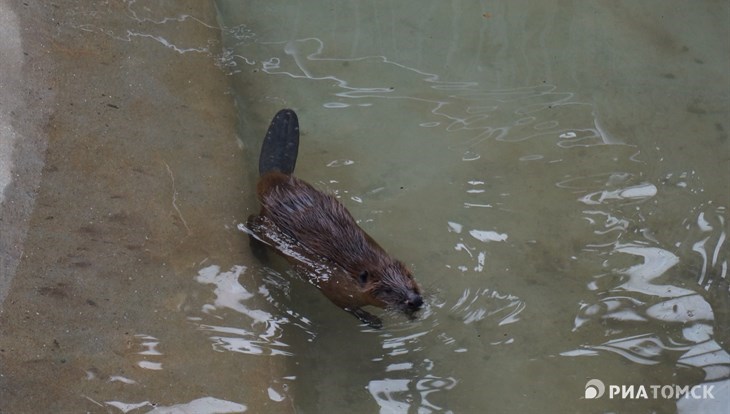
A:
(413, 304)
(414, 301)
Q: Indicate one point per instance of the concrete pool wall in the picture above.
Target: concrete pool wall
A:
(103, 218)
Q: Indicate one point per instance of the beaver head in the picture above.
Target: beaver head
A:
(392, 287)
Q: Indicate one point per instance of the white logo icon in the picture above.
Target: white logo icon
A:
(594, 389)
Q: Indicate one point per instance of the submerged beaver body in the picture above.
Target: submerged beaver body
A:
(320, 238)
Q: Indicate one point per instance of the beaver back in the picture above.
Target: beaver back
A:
(319, 222)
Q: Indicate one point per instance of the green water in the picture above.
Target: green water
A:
(556, 173)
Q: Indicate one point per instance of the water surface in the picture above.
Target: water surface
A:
(555, 174)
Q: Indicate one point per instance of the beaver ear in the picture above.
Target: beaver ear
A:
(363, 277)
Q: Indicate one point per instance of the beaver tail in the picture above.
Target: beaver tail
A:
(281, 144)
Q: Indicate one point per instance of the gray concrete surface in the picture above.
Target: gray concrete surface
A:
(22, 142)
(105, 216)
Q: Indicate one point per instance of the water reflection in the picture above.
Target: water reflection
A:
(623, 304)
(408, 378)
(206, 405)
(632, 303)
(397, 395)
(148, 23)
(262, 333)
(630, 298)
(464, 108)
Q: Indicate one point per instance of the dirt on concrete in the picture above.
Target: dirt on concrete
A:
(140, 179)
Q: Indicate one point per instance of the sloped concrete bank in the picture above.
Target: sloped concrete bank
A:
(109, 114)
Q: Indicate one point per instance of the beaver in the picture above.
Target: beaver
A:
(320, 238)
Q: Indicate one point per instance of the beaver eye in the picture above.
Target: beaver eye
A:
(364, 277)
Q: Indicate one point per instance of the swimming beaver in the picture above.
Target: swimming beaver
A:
(319, 237)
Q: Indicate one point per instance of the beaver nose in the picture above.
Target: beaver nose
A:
(414, 301)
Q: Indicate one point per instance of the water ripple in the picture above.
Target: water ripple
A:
(262, 334)
(633, 296)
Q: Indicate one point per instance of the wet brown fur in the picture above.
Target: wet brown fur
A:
(320, 238)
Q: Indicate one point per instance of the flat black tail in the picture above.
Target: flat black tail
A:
(281, 144)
